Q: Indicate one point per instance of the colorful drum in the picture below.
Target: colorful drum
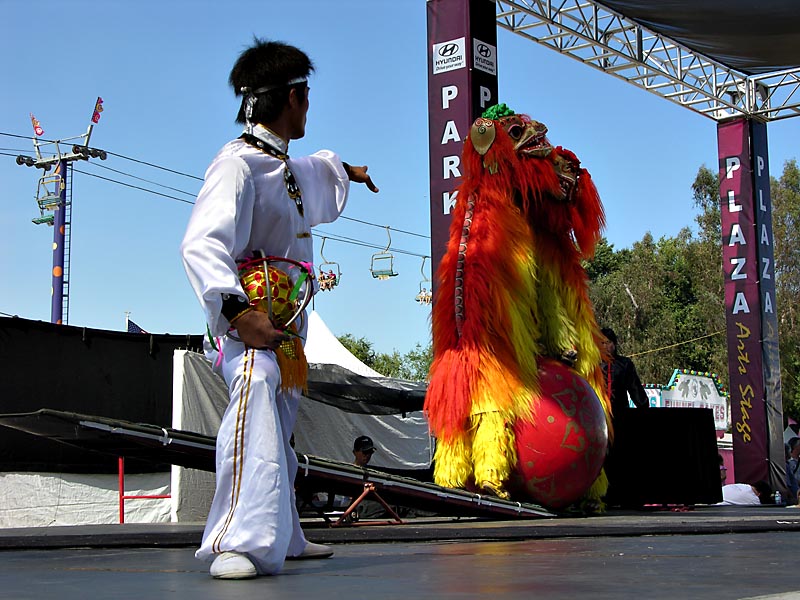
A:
(274, 291)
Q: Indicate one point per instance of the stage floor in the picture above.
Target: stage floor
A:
(709, 553)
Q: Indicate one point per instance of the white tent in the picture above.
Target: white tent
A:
(199, 399)
(402, 441)
(324, 348)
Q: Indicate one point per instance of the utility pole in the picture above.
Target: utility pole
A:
(54, 199)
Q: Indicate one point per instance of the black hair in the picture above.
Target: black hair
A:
(268, 63)
(793, 442)
(764, 492)
(609, 333)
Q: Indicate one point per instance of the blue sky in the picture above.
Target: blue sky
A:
(162, 71)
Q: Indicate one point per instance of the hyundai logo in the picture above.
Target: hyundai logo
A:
(448, 50)
(484, 50)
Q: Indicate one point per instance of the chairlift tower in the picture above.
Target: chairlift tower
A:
(54, 200)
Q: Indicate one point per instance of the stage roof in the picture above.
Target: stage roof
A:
(720, 58)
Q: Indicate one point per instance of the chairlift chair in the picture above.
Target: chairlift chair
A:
(328, 277)
(425, 296)
(48, 199)
(382, 264)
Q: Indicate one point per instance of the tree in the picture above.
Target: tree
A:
(663, 293)
(419, 362)
(361, 348)
(785, 194)
(605, 260)
(413, 365)
(391, 365)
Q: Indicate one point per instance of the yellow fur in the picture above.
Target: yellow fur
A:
(493, 450)
(452, 467)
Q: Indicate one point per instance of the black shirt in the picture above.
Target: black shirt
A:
(624, 381)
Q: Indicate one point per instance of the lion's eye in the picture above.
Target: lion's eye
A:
(515, 131)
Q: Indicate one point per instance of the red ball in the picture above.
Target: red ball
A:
(562, 451)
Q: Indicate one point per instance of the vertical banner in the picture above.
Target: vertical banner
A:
(769, 318)
(462, 83)
(742, 302)
(59, 227)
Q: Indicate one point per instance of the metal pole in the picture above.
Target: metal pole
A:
(59, 227)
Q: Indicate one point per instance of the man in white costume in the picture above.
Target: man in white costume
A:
(257, 199)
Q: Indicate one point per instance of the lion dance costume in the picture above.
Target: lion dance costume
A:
(512, 292)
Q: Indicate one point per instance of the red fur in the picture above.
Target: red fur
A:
(518, 210)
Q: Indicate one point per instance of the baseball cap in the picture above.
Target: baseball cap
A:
(364, 444)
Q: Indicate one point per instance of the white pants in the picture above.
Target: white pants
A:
(253, 511)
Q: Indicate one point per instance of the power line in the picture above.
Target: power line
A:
(355, 242)
(136, 160)
(334, 237)
(427, 237)
(192, 194)
(26, 137)
(142, 162)
(136, 187)
(155, 166)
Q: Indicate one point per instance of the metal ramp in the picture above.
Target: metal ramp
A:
(187, 449)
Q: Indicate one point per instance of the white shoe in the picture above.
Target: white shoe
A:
(232, 565)
(312, 551)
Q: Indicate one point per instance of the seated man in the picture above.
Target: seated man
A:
(744, 494)
(363, 449)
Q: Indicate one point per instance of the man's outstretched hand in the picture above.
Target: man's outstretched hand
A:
(359, 175)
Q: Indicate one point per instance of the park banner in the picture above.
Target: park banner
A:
(462, 83)
(742, 301)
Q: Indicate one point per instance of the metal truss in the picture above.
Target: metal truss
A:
(591, 33)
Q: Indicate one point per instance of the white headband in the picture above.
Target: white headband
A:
(268, 88)
(251, 99)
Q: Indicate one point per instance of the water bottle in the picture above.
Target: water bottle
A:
(778, 498)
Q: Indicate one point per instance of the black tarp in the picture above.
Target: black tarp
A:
(339, 387)
(124, 376)
(75, 369)
(754, 38)
(153, 443)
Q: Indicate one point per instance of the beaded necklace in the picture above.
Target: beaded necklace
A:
(288, 178)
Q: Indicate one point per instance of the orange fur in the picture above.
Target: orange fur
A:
(523, 236)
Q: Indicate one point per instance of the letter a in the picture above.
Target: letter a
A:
(768, 303)
(737, 235)
(740, 304)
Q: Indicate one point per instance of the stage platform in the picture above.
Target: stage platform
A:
(189, 449)
(492, 549)
(700, 520)
(708, 552)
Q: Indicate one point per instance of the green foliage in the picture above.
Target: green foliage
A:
(785, 195)
(414, 365)
(665, 298)
(361, 348)
(663, 293)
(605, 260)
(419, 362)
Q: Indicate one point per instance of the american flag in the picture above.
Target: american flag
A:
(134, 328)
